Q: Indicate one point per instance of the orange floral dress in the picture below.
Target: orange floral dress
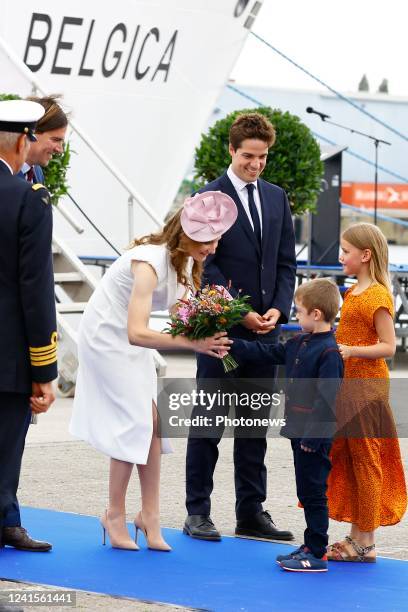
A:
(366, 485)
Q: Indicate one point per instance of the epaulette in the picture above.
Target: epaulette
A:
(46, 197)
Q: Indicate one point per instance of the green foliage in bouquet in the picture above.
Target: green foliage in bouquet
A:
(56, 170)
(211, 310)
(207, 313)
(293, 162)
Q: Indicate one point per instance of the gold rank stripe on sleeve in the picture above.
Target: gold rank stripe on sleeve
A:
(44, 355)
(37, 186)
(44, 363)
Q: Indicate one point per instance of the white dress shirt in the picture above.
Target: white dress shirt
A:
(240, 188)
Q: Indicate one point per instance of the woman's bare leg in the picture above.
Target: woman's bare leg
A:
(119, 476)
(363, 538)
(114, 519)
(149, 474)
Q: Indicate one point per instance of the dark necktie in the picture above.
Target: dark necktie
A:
(30, 175)
(254, 213)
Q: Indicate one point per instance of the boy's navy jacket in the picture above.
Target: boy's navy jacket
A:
(314, 369)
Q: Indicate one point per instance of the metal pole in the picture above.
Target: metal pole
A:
(376, 182)
(26, 72)
(131, 218)
(63, 211)
(309, 241)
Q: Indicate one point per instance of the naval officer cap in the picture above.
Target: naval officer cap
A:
(20, 116)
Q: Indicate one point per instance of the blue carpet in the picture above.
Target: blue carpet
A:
(229, 576)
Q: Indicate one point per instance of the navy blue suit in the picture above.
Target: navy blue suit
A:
(12, 515)
(28, 334)
(267, 275)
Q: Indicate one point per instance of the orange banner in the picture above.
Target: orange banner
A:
(389, 195)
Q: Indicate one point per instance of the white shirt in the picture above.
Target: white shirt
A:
(25, 168)
(240, 188)
(8, 165)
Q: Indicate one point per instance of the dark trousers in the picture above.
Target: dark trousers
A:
(14, 421)
(312, 471)
(249, 452)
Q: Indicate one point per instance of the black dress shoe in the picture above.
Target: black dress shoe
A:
(19, 538)
(261, 527)
(201, 527)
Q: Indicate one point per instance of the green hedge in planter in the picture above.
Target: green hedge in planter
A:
(293, 161)
(56, 170)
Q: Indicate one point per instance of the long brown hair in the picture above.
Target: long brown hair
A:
(368, 236)
(177, 243)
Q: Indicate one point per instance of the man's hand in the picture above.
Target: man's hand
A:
(270, 319)
(42, 397)
(253, 321)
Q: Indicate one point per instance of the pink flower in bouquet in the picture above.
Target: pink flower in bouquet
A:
(210, 310)
(184, 313)
(224, 292)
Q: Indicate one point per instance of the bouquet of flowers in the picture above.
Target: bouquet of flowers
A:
(211, 310)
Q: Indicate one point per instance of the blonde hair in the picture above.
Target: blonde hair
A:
(320, 293)
(368, 236)
(177, 243)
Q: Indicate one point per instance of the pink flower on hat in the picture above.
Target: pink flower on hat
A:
(206, 216)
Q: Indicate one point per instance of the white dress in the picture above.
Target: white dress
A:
(116, 381)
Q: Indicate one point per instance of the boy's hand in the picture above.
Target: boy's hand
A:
(253, 321)
(223, 351)
(310, 445)
(307, 449)
(271, 317)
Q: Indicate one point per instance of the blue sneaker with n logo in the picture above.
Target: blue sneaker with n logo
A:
(295, 552)
(305, 562)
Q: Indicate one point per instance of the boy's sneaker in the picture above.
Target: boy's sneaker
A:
(295, 552)
(305, 562)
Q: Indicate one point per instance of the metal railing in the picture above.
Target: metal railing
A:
(133, 195)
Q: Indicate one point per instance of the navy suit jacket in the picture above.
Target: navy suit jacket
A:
(28, 336)
(267, 275)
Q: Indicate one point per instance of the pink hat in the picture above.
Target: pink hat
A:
(206, 216)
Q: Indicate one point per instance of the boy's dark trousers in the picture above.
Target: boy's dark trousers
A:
(312, 471)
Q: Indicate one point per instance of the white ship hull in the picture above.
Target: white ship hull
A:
(141, 78)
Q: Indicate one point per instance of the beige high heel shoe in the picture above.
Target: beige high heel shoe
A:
(125, 543)
(158, 544)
